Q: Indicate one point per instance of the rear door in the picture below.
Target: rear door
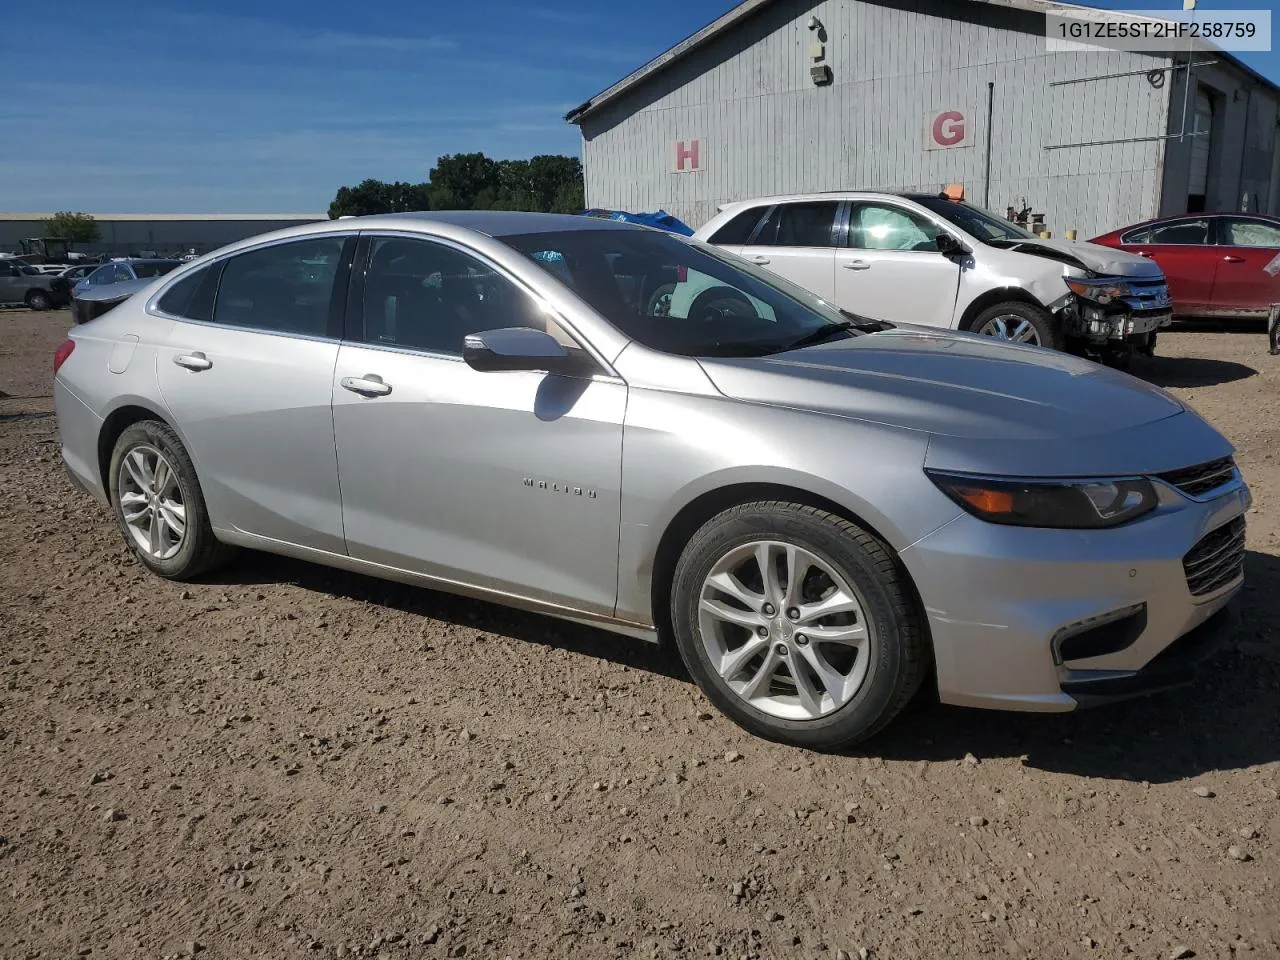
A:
(1247, 278)
(11, 288)
(797, 240)
(892, 268)
(248, 378)
(1184, 249)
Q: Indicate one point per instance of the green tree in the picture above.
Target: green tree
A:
(375, 196)
(462, 177)
(472, 181)
(76, 227)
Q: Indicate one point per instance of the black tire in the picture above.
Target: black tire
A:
(715, 302)
(1046, 328)
(659, 303)
(39, 300)
(898, 649)
(200, 550)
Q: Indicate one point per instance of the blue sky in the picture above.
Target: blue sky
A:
(163, 106)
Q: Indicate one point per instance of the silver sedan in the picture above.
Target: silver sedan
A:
(823, 512)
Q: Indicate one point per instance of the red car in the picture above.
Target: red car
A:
(1217, 264)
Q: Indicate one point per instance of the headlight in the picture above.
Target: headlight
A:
(1069, 504)
(1099, 291)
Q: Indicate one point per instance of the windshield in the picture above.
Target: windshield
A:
(680, 297)
(974, 220)
(157, 269)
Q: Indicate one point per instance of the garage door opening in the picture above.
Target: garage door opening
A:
(1201, 152)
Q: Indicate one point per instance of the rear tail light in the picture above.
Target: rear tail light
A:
(682, 273)
(60, 356)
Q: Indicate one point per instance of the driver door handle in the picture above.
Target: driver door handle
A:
(1232, 258)
(856, 265)
(370, 385)
(196, 361)
(759, 260)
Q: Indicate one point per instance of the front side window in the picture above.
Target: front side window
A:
(283, 288)
(423, 295)
(1136, 236)
(1241, 232)
(680, 297)
(798, 225)
(1191, 232)
(879, 226)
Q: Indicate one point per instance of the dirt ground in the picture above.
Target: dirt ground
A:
(294, 762)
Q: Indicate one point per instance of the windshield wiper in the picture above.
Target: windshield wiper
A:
(823, 333)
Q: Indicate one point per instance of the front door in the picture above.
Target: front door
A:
(1182, 249)
(1247, 279)
(797, 241)
(508, 481)
(892, 268)
(249, 379)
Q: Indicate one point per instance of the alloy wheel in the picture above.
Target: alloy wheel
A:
(152, 502)
(784, 630)
(1012, 328)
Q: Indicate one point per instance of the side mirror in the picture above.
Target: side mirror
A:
(517, 348)
(949, 246)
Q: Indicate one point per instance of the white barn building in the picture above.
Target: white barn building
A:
(783, 96)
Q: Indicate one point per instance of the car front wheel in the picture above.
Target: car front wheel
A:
(1018, 322)
(797, 624)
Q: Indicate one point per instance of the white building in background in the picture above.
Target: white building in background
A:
(790, 96)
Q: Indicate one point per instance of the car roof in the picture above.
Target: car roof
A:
(495, 223)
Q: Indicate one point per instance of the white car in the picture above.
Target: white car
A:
(934, 259)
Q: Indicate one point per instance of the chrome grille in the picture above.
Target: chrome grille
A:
(1217, 560)
(1148, 295)
(1203, 477)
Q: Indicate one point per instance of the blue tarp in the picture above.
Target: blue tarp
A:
(660, 219)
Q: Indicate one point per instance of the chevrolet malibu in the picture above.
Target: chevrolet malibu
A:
(822, 511)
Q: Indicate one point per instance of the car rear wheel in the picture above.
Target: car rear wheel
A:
(797, 624)
(39, 300)
(158, 503)
(1018, 322)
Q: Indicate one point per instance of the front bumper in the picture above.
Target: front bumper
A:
(1000, 599)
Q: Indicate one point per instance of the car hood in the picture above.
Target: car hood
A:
(113, 291)
(1090, 256)
(948, 384)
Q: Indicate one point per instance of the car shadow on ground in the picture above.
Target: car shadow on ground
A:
(1226, 720)
(262, 568)
(1190, 371)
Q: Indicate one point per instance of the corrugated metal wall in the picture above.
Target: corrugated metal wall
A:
(767, 129)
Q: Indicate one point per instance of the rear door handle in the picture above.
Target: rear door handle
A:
(193, 361)
(1229, 258)
(760, 260)
(856, 265)
(1143, 253)
(370, 385)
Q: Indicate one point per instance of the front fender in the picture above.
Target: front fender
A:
(678, 448)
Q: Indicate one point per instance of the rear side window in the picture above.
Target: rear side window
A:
(799, 225)
(738, 229)
(1192, 232)
(157, 269)
(1239, 232)
(192, 296)
(284, 288)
